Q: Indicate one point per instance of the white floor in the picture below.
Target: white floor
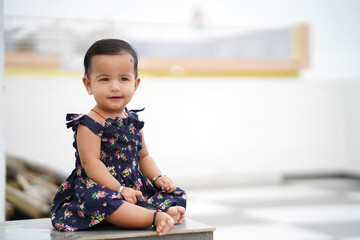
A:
(320, 209)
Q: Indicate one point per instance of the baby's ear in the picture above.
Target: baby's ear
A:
(137, 82)
(87, 84)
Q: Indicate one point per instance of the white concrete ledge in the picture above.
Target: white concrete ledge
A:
(41, 229)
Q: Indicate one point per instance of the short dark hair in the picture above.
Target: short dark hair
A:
(110, 47)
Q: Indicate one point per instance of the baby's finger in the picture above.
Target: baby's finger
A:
(130, 200)
(166, 187)
(138, 195)
(171, 188)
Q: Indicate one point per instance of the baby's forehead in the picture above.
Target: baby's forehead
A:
(100, 62)
(123, 55)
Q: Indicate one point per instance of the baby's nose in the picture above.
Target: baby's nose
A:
(115, 85)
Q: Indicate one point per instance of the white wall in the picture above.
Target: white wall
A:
(246, 130)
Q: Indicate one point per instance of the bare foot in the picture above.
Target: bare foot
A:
(163, 222)
(177, 213)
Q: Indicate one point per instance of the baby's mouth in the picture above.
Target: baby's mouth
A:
(115, 97)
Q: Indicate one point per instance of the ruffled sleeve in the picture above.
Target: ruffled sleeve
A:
(133, 114)
(73, 121)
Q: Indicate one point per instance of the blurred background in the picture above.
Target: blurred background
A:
(237, 93)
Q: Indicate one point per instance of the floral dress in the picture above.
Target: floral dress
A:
(81, 203)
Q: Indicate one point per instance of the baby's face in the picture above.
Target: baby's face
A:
(112, 81)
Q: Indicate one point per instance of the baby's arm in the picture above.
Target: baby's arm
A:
(89, 146)
(89, 149)
(151, 170)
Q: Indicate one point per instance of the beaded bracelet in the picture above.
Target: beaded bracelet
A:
(155, 178)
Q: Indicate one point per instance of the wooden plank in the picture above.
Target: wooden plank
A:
(29, 206)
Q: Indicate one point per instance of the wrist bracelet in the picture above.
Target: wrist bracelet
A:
(121, 188)
(155, 178)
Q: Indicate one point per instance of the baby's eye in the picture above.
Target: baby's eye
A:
(104, 79)
(124, 79)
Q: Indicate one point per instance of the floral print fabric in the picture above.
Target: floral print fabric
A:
(81, 203)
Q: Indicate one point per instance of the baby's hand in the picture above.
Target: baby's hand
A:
(165, 183)
(131, 195)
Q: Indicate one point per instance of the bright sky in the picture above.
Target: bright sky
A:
(130, 11)
(214, 12)
(175, 16)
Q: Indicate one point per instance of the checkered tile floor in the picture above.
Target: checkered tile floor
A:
(316, 209)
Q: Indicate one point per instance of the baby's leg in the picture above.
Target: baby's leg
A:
(177, 213)
(133, 216)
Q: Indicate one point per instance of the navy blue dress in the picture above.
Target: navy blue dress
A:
(81, 203)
